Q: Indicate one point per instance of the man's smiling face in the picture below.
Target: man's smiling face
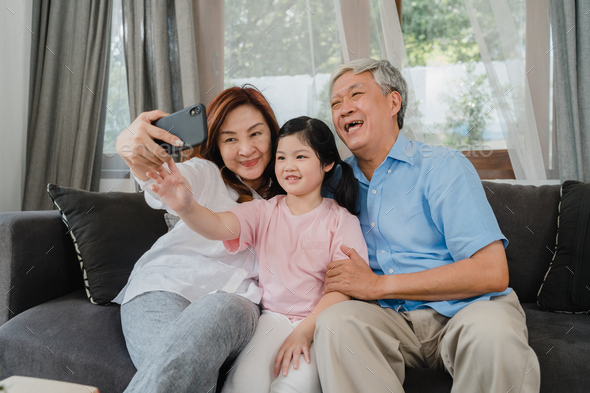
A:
(364, 118)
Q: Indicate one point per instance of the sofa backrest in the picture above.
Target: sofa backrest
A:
(527, 216)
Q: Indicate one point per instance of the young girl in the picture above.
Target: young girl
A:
(295, 237)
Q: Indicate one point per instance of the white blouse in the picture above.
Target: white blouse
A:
(186, 263)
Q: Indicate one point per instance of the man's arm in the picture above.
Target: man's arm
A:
(484, 272)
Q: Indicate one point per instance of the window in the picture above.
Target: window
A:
(455, 100)
(456, 103)
(114, 168)
(287, 50)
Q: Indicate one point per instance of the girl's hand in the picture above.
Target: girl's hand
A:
(298, 342)
(172, 188)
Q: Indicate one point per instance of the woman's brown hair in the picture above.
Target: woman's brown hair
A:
(217, 112)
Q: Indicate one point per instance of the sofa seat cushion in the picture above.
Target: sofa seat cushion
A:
(562, 346)
(420, 380)
(68, 339)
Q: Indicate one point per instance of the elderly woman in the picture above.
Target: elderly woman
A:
(189, 306)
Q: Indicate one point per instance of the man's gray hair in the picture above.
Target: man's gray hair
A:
(385, 75)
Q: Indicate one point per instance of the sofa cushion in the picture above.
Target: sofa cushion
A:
(562, 346)
(424, 380)
(566, 287)
(110, 232)
(527, 216)
(68, 339)
(171, 220)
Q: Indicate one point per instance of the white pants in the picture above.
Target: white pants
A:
(253, 370)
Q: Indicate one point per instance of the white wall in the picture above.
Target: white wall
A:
(15, 46)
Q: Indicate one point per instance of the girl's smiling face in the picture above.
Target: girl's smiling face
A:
(298, 169)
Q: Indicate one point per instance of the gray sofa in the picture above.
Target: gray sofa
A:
(50, 330)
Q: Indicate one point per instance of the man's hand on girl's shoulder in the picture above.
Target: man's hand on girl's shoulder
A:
(352, 277)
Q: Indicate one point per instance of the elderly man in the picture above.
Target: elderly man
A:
(434, 293)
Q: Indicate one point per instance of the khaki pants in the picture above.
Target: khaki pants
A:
(362, 347)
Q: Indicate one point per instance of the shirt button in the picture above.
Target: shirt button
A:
(382, 251)
(374, 191)
(389, 171)
(390, 271)
(372, 224)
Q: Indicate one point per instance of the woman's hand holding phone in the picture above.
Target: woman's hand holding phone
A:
(135, 144)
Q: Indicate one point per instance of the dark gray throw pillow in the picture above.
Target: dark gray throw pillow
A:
(566, 287)
(110, 232)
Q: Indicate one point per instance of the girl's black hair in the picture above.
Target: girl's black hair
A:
(319, 137)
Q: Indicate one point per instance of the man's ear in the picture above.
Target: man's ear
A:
(395, 102)
(328, 167)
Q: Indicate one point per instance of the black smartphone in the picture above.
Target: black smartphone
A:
(189, 124)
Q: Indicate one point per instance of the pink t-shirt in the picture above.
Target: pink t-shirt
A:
(294, 251)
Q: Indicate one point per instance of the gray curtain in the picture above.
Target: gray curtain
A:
(160, 55)
(570, 23)
(69, 63)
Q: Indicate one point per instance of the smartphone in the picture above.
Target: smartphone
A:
(189, 124)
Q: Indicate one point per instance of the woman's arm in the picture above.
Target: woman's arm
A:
(175, 191)
(300, 340)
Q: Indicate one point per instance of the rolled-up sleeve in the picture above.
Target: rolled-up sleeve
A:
(350, 235)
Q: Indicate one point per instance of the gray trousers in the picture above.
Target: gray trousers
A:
(362, 347)
(179, 346)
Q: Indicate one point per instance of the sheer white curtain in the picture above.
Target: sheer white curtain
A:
(494, 27)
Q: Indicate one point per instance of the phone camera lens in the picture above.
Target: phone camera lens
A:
(197, 109)
(193, 112)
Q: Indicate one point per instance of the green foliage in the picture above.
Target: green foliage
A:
(270, 37)
(469, 109)
(437, 32)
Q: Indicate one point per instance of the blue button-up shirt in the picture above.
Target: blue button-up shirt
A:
(424, 207)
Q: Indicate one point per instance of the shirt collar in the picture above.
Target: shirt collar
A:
(402, 150)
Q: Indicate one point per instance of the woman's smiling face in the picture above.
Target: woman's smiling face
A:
(245, 145)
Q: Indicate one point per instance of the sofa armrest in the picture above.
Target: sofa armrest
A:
(37, 261)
